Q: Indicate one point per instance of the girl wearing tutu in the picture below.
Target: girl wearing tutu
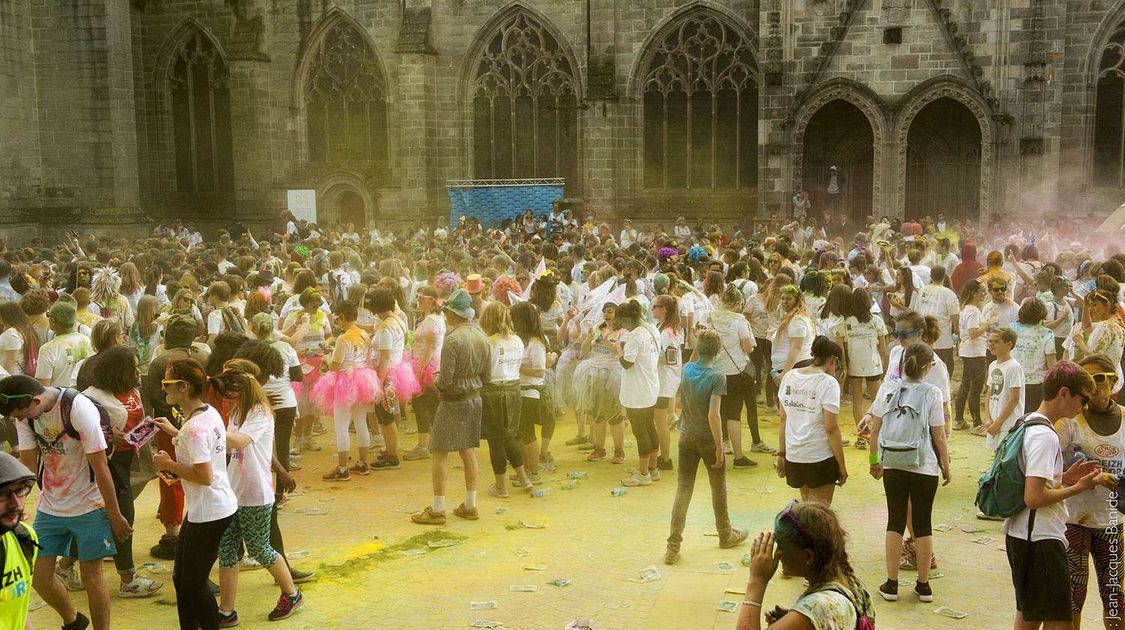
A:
(425, 358)
(570, 340)
(396, 375)
(597, 386)
(346, 391)
(308, 329)
(500, 399)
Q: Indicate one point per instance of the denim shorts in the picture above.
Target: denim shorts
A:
(90, 531)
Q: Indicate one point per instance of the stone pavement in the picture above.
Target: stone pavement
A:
(377, 570)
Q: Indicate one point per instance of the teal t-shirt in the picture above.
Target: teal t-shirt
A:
(699, 384)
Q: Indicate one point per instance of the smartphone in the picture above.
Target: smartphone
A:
(167, 477)
(142, 433)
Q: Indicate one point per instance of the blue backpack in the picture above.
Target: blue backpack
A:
(1000, 492)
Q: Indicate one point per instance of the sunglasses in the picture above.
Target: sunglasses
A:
(1102, 377)
(170, 381)
(999, 289)
(903, 334)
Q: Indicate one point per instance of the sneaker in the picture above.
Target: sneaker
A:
(294, 451)
(588, 446)
(228, 620)
(671, 556)
(923, 591)
(861, 443)
(654, 473)
(637, 480)
(984, 517)
(469, 514)
(979, 430)
(312, 446)
(386, 464)
(618, 457)
(318, 429)
(493, 491)
(428, 517)
(287, 605)
(139, 587)
(744, 462)
(546, 458)
(248, 564)
(889, 590)
(727, 448)
(577, 441)
(361, 469)
(534, 479)
(293, 466)
(300, 577)
(81, 622)
(165, 549)
(596, 455)
(762, 447)
(416, 454)
(737, 537)
(337, 475)
(960, 425)
(664, 464)
(69, 577)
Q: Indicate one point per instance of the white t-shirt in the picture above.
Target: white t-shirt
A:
(805, 398)
(281, 388)
(67, 487)
(733, 329)
(203, 439)
(506, 357)
(1002, 379)
(215, 321)
(937, 376)
(12, 340)
(935, 417)
(1033, 344)
(250, 467)
(390, 335)
(799, 326)
(1006, 314)
(942, 304)
(971, 319)
(640, 383)
(1041, 457)
(431, 329)
(670, 372)
(534, 358)
(1093, 508)
(862, 344)
(59, 357)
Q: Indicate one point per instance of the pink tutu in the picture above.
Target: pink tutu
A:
(427, 374)
(348, 388)
(402, 378)
(310, 368)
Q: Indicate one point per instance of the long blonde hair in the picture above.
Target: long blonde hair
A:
(496, 320)
(797, 311)
(239, 380)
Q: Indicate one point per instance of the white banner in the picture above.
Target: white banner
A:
(302, 203)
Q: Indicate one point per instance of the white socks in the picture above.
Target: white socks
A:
(471, 499)
(439, 504)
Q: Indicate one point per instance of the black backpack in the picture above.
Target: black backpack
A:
(66, 399)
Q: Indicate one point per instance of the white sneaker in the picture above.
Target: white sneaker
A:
(140, 587)
(654, 473)
(727, 448)
(248, 564)
(637, 480)
(69, 577)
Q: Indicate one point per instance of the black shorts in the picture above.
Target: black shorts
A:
(662, 402)
(1041, 578)
(385, 417)
(821, 473)
(869, 379)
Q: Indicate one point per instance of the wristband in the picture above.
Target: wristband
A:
(873, 458)
(747, 602)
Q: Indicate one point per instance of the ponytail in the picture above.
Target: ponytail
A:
(916, 359)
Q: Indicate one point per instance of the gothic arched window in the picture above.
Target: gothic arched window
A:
(201, 117)
(346, 100)
(1109, 114)
(701, 108)
(525, 105)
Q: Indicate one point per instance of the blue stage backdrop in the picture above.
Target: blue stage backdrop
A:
(490, 201)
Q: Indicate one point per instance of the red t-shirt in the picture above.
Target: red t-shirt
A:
(131, 400)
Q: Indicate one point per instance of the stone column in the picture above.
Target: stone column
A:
(416, 111)
(251, 116)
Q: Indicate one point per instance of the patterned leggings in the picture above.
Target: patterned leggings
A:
(252, 525)
(1105, 546)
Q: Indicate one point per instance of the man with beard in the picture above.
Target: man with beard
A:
(17, 541)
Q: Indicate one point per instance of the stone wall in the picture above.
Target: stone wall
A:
(86, 121)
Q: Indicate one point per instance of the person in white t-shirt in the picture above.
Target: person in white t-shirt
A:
(972, 350)
(250, 440)
(811, 452)
(1005, 389)
(59, 357)
(792, 343)
(940, 302)
(200, 463)
(501, 400)
(639, 354)
(910, 489)
(429, 333)
(1034, 350)
(1038, 558)
(78, 501)
(733, 362)
(863, 337)
(536, 407)
(666, 312)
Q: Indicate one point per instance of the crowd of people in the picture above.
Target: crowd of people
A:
(208, 366)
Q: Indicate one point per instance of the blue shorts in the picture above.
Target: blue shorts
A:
(90, 531)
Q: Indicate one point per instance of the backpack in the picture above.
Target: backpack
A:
(1001, 488)
(66, 400)
(905, 433)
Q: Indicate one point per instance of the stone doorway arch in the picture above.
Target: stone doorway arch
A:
(343, 199)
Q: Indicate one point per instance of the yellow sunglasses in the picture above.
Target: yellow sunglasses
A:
(1102, 377)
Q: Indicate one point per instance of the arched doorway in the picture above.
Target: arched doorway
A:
(352, 209)
(839, 135)
(943, 162)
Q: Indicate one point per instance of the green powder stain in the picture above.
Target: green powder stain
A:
(361, 563)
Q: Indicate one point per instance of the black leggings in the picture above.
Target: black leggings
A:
(972, 381)
(644, 429)
(283, 420)
(119, 466)
(425, 406)
(761, 360)
(946, 355)
(742, 391)
(502, 451)
(196, 552)
(909, 489)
